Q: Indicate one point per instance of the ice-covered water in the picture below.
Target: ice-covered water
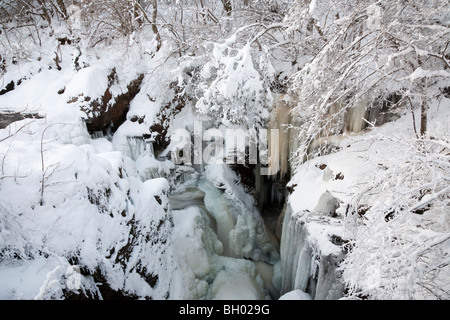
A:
(222, 244)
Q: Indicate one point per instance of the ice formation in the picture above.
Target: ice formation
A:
(222, 240)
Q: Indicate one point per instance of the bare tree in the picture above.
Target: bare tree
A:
(47, 171)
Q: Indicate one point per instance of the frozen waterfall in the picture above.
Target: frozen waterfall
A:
(226, 240)
(311, 265)
(221, 240)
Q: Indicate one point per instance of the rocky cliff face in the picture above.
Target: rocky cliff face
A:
(106, 113)
(310, 258)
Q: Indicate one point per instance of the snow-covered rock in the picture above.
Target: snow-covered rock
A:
(295, 295)
(78, 206)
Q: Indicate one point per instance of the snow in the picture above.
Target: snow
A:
(236, 285)
(88, 205)
(375, 15)
(420, 73)
(76, 211)
(213, 231)
(40, 94)
(237, 84)
(295, 295)
(200, 254)
(245, 230)
(88, 82)
(22, 280)
(312, 7)
(318, 212)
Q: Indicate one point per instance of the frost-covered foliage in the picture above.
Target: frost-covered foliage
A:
(359, 56)
(381, 204)
(237, 92)
(372, 51)
(229, 79)
(358, 53)
(400, 243)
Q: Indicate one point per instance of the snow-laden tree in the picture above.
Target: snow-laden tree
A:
(24, 25)
(398, 222)
(102, 21)
(238, 93)
(357, 55)
(226, 55)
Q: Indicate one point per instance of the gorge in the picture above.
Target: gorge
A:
(218, 150)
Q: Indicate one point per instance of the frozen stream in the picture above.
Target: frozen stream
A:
(222, 242)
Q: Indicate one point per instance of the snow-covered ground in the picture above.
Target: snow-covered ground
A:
(68, 199)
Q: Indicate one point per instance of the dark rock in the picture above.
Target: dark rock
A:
(137, 119)
(389, 215)
(9, 117)
(422, 210)
(158, 199)
(291, 188)
(108, 113)
(340, 242)
(321, 166)
(339, 176)
(9, 87)
(168, 111)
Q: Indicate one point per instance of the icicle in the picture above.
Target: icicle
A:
(97, 135)
(140, 147)
(305, 266)
(280, 120)
(355, 115)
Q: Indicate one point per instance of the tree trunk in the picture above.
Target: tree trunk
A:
(154, 27)
(62, 7)
(423, 118)
(44, 13)
(423, 107)
(227, 6)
